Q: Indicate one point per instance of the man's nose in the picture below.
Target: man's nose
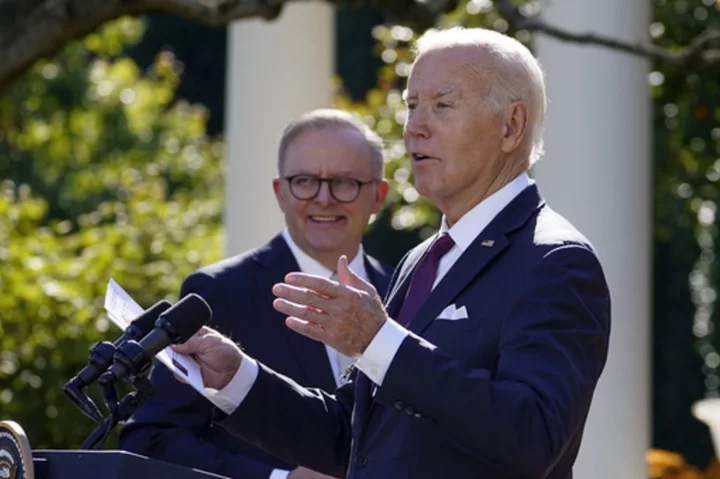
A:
(416, 124)
(324, 196)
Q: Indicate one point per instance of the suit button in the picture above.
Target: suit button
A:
(361, 461)
(409, 411)
(399, 405)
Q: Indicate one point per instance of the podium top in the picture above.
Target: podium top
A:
(85, 464)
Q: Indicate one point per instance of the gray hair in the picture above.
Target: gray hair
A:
(323, 119)
(519, 76)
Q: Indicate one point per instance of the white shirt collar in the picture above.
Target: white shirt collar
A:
(472, 223)
(310, 265)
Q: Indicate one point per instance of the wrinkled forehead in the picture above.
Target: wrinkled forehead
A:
(336, 151)
(463, 68)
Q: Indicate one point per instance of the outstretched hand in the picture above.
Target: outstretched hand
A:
(345, 315)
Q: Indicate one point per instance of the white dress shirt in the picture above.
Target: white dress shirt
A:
(379, 354)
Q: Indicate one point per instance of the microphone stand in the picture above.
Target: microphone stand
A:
(119, 411)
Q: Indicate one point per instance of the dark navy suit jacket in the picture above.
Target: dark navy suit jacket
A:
(502, 394)
(175, 424)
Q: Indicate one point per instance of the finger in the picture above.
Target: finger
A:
(318, 284)
(191, 346)
(308, 329)
(302, 312)
(196, 342)
(302, 296)
(348, 276)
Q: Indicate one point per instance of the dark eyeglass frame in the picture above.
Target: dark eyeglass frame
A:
(329, 181)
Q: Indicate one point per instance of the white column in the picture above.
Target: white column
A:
(597, 172)
(276, 71)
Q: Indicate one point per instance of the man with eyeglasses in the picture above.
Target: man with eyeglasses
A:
(330, 182)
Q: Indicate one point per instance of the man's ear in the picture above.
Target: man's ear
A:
(277, 188)
(515, 126)
(381, 191)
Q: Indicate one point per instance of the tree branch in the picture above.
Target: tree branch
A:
(698, 53)
(35, 29)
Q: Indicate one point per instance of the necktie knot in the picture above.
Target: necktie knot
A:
(440, 247)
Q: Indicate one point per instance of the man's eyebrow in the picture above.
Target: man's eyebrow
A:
(438, 94)
(442, 92)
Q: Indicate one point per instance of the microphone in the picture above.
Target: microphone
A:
(176, 325)
(101, 357)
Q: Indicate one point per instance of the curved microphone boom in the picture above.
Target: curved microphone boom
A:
(176, 325)
(101, 358)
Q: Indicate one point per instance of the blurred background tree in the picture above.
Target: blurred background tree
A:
(105, 174)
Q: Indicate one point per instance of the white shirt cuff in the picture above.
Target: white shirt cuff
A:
(231, 396)
(279, 474)
(382, 349)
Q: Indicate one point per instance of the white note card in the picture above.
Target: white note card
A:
(122, 310)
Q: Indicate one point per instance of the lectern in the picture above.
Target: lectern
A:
(62, 464)
(19, 461)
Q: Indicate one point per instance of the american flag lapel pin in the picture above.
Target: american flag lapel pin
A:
(487, 243)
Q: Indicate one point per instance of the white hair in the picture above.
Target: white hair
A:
(519, 76)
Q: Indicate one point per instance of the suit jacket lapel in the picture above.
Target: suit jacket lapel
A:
(469, 265)
(472, 262)
(374, 270)
(488, 245)
(277, 260)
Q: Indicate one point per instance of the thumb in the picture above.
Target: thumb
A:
(348, 277)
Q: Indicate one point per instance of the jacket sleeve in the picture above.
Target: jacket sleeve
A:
(302, 426)
(552, 349)
(167, 426)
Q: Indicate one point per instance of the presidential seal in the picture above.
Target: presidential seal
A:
(15, 452)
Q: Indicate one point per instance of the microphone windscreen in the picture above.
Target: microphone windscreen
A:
(187, 316)
(144, 323)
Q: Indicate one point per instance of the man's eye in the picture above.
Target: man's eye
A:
(411, 106)
(302, 180)
(443, 105)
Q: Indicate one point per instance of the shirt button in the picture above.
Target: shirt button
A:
(374, 369)
(361, 461)
(399, 405)
(409, 410)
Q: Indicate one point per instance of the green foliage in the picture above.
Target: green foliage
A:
(104, 177)
(687, 168)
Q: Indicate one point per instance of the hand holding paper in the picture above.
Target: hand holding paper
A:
(218, 357)
(122, 309)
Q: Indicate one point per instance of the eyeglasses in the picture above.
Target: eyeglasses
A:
(343, 189)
